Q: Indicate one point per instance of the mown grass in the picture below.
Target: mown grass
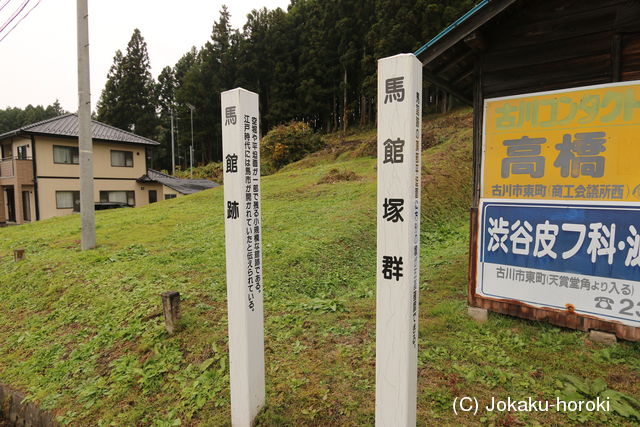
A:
(81, 332)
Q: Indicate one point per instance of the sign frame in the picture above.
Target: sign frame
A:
(567, 317)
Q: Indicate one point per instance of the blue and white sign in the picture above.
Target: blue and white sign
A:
(565, 256)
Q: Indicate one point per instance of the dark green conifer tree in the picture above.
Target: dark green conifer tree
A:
(129, 100)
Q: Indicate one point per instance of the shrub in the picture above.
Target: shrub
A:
(336, 175)
(288, 143)
(211, 171)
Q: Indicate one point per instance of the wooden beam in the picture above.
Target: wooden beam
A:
(453, 63)
(476, 42)
(478, 118)
(456, 80)
(616, 57)
(446, 86)
(470, 25)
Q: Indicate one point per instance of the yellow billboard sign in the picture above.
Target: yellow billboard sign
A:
(579, 144)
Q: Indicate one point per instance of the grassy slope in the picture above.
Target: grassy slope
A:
(81, 331)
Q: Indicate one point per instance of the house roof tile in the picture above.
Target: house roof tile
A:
(67, 125)
(184, 186)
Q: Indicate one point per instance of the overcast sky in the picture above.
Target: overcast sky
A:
(38, 62)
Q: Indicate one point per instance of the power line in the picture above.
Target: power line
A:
(20, 20)
(14, 17)
(15, 14)
(5, 5)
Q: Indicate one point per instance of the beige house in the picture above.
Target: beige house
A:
(40, 175)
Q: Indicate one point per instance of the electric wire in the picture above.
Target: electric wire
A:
(20, 20)
(5, 5)
(15, 14)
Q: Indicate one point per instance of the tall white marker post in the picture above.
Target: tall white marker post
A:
(398, 263)
(241, 162)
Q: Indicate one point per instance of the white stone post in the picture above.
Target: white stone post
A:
(241, 163)
(398, 256)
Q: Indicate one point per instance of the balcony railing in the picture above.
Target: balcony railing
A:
(9, 166)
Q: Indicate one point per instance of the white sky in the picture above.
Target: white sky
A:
(38, 62)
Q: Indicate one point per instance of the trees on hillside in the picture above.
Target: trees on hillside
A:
(214, 70)
(14, 118)
(165, 92)
(129, 100)
(315, 62)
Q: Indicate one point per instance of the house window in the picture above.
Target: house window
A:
(127, 197)
(169, 196)
(22, 152)
(122, 158)
(66, 155)
(68, 200)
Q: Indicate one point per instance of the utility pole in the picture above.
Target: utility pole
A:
(178, 140)
(173, 155)
(87, 207)
(345, 117)
(191, 107)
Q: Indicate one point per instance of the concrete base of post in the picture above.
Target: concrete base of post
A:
(171, 309)
(602, 337)
(18, 255)
(478, 314)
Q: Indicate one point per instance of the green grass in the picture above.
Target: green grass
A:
(81, 332)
